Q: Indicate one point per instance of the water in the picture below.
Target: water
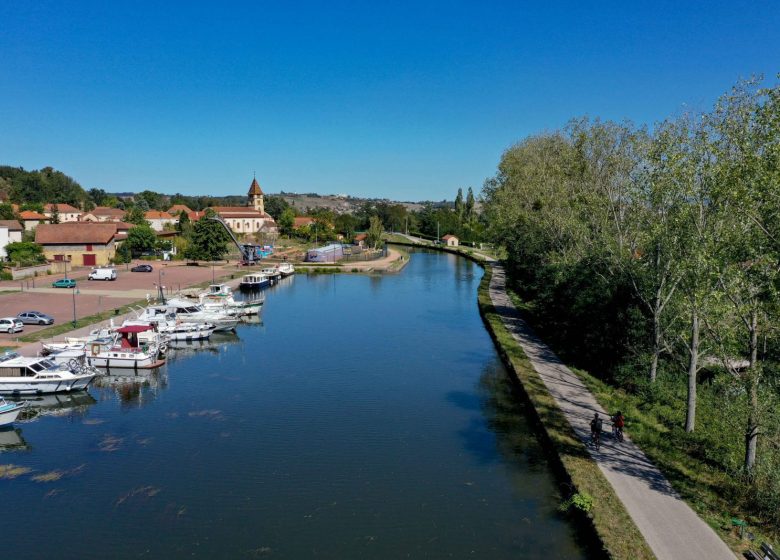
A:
(367, 417)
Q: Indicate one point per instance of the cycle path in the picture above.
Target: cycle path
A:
(671, 528)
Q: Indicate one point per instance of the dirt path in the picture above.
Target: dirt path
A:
(669, 525)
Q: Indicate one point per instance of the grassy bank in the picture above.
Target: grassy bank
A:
(611, 522)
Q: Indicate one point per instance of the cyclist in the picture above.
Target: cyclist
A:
(618, 421)
(595, 430)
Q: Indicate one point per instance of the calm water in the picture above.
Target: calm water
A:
(365, 418)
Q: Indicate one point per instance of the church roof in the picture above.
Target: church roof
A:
(254, 188)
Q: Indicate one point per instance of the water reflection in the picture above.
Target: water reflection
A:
(134, 387)
(57, 404)
(11, 440)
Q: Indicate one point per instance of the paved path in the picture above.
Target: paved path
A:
(670, 527)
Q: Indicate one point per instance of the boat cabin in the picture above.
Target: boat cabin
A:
(14, 365)
(129, 337)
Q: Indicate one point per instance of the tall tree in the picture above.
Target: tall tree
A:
(459, 207)
(374, 233)
(209, 240)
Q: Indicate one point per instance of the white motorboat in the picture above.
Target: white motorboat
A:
(286, 269)
(32, 376)
(272, 272)
(219, 297)
(128, 352)
(252, 282)
(103, 336)
(187, 312)
(9, 411)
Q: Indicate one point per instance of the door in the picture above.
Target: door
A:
(90, 260)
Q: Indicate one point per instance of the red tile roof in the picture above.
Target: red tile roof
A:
(61, 208)
(361, 237)
(29, 215)
(157, 215)
(107, 211)
(448, 236)
(12, 225)
(177, 208)
(301, 221)
(75, 233)
(254, 188)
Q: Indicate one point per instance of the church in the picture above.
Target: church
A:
(251, 218)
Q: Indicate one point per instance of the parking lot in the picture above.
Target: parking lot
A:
(95, 296)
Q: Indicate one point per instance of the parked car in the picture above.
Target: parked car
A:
(11, 325)
(102, 274)
(35, 318)
(64, 283)
(142, 268)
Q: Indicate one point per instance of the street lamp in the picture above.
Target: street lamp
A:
(75, 291)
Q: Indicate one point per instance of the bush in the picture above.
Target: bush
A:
(5, 275)
(580, 501)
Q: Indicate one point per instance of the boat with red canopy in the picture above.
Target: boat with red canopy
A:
(128, 351)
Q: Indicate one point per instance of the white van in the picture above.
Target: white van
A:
(102, 274)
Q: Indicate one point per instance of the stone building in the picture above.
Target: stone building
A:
(251, 218)
(80, 243)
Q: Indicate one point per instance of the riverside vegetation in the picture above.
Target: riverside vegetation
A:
(650, 258)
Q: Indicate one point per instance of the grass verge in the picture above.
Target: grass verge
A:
(613, 527)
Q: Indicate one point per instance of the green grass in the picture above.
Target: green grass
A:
(608, 517)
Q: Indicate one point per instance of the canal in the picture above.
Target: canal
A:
(366, 417)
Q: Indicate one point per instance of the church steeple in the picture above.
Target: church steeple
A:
(256, 196)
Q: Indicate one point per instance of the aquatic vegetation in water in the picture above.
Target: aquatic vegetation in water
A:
(50, 476)
(214, 414)
(13, 471)
(140, 492)
(110, 443)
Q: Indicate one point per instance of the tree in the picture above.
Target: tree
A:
(286, 221)
(374, 233)
(7, 212)
(459, 208)
(123, 254)
(184, 225)
(135, 215)
(55, 214)
(275, 206)
(346, 224)
(141, 239)
(470, 206)
(25, 253)
(209, 240)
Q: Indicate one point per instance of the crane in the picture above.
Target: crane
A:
(247, 250)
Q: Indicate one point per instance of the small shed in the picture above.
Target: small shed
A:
(361, 239)
(450, 240)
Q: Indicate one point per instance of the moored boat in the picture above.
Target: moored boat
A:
(32, 376)
(286, 269)
(128, 352)
(252, 282)
(9, 411)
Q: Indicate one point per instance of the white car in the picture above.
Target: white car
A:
(11, 325)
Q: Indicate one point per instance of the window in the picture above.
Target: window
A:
(89, 246)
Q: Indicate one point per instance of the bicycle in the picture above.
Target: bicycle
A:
(617, 432)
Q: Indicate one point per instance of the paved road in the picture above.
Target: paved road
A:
(670, 527)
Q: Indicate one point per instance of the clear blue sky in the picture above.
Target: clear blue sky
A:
(405, 100)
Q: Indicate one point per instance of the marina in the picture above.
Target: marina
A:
(376, 446)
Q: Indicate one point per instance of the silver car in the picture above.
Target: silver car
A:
(35, 318)
(11, 325)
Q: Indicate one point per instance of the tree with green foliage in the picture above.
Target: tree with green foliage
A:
(209, 240)
(7, 212)
(286, 222)
(141, 239)
(275, 206)
(459, 207)
(135, 215)
(469, 210)
(55, 214)
(122, 254)
(374, 232)
(346, 225)
(25, 253)
(184, 225)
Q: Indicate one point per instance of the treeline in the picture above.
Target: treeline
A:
(652, 258)
(40, 187)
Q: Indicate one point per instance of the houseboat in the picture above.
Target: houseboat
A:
(252, 282)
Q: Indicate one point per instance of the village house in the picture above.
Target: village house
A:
(158, 220)
(31, 219)
(177, 209)
(81, 244)
(450, 240)
(360, 239)
(67, 213)
(251, 218)
(302, 221)
(103, 214)
(10, 232)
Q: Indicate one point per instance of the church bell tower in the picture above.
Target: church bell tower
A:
(256, 196)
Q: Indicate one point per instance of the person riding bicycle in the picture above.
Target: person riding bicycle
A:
(595, 427)
(618, 421)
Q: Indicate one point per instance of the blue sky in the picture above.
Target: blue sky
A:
(405, 100)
